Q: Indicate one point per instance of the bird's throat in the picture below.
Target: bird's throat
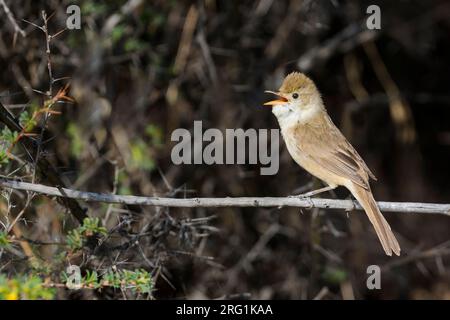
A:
(301, 115)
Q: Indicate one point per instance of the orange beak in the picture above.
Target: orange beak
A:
(282, 99)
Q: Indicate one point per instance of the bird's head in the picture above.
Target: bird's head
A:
(298, 98)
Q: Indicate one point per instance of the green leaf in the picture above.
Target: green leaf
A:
(4, 240)
(77, 238)
(76, 143)
(8, 135)
(335, 276)
(24, 287)
(155, 133)
(26, 121)
(140, 155)
(117, 32)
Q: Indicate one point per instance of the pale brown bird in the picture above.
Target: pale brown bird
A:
(317, 145)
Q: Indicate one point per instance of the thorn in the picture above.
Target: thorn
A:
(58, 33)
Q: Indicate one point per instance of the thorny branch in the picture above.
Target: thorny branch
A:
(10, 16)
(33, 146)
(348, 205)
(45, 168)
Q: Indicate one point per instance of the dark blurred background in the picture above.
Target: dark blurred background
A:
(140, 69)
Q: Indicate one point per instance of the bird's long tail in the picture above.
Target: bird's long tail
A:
(382, 228)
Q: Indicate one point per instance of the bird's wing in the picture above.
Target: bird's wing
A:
(329, 149)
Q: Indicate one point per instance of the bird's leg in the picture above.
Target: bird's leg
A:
(314, 192)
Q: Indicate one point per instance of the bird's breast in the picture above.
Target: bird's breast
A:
(300, 141)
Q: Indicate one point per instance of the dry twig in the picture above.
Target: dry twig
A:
(347, 205)
(10, 16)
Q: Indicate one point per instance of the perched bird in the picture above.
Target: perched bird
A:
(317, 145)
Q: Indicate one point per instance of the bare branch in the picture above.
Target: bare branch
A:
(344, 41)
(10, 16)
(347, 205)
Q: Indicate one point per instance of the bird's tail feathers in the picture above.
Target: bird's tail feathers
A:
(382, 228)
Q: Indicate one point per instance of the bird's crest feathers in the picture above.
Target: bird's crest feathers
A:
(295, 81)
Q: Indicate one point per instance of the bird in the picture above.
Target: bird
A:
(317, 145)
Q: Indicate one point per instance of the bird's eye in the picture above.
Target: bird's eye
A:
(295, 95)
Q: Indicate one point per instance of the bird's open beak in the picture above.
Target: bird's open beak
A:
(282, 99)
